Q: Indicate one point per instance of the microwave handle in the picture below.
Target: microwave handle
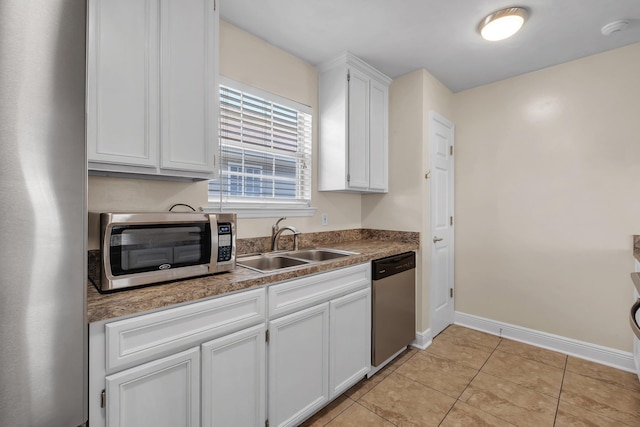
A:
(213, 225)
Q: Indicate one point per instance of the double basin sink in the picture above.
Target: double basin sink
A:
(279, 260)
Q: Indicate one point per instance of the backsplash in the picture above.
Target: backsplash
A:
(311, 240)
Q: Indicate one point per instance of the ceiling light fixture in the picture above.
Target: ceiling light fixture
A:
(503, 23)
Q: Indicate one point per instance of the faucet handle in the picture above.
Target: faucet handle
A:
(275, 227)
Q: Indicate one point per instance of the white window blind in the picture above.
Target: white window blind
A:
(265, 151)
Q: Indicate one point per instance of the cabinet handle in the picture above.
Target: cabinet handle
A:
(437, 239)
(632, 319)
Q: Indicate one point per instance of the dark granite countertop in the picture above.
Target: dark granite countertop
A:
(132, 301)
(635, 277)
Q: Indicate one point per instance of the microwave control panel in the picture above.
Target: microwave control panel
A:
(225, 245)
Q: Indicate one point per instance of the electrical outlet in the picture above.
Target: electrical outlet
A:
(325, 219)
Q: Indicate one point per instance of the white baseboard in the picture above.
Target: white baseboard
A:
(423, 339)
(583, 350)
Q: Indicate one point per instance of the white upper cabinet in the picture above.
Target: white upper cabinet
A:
(353, 149)
(152, 98)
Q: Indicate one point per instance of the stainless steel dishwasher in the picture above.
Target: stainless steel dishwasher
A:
(393, 323)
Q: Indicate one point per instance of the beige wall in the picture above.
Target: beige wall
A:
(253, 61)
(547, 168)
(401, 206)
(406, 206)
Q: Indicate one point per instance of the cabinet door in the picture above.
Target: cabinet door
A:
(350, 340)
(358, 143)
(122, 80)
(233, 380)
(378, 137)
(298, 365)
(189, 110)
(162, 393)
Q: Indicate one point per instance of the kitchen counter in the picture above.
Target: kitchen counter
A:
(133, 301)
(635, 277)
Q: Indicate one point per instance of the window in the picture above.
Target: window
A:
(265, 154)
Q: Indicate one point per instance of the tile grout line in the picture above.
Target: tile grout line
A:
(564, 372)
(374, 413)
(517, 355)
(470, 381)
(589, 410)
(357, 401)
(338, 414)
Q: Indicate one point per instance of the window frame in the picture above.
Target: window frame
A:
(264, 208)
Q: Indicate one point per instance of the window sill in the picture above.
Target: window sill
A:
(263, 211)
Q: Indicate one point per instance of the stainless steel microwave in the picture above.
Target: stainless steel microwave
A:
(146, 248)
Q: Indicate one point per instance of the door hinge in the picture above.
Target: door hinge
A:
(348, 76)
(215, 6)
(348, 177)
(266, 336)
(266, 423)
(451, 150)
(103, 399)
(450, 220)
(451, 292)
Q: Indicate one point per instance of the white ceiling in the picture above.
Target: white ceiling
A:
(400, 36)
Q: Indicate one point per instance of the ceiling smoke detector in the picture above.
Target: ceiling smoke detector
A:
(614, 27)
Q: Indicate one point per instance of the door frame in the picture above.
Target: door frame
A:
(433, 117)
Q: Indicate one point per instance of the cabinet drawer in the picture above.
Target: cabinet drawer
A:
(146, 337)
(297, 294)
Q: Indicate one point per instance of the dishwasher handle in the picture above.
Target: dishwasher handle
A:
(395, 264)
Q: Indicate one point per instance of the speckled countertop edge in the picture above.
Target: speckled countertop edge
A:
(128, 302)
(635, 277)
(636, 246)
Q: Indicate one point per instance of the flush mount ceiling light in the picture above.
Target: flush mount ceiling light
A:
(503, 23)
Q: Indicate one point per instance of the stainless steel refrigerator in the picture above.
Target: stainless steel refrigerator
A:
(43, 329)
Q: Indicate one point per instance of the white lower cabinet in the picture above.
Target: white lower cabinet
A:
(350, 342)
(211, 363)
(197, 364)
(321, 344)
(162, 393)
(223, 381)
(298, 365)
(233, 379)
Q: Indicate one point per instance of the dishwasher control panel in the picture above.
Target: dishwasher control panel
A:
(394, 264)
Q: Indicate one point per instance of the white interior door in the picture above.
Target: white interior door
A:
(441, 139)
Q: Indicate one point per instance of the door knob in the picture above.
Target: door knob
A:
(437, 239)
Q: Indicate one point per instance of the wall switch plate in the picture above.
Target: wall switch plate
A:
(325, 219)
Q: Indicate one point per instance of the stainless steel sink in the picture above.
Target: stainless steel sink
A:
(269, 262)
(319, 254)
(277, 261)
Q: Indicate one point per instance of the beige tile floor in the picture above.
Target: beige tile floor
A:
(469, 378)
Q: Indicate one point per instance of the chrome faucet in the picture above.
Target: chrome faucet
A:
(276, 231)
